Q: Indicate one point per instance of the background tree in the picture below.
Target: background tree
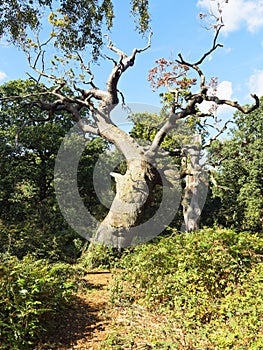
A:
(30, 217)
(238, 162)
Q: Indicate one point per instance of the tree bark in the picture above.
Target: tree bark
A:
(195, 188)
(190, 203)
(133, 195)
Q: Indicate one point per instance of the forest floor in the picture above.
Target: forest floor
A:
(84, 324)
(93, 323)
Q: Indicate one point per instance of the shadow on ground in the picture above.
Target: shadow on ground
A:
(79, 321)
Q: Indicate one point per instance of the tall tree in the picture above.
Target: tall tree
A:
(239, 183)
(124, 223)
(30, 219)
(29, 143)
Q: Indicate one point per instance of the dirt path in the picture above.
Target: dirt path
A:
(96, 302)
(83, 325)
(91, 323)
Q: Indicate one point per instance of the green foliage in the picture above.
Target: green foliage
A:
(75, 24)
(140, 11)
(29, 144)
(30, 218)
(31, 291)
(62, 245)
(31, 221)
(209, 282)
(239, 164)
(94, 149)
(99, 256)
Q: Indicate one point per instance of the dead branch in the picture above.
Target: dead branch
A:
(214, 182)
(215, 45)
(123, 64)
(219, 132)
(40, 55)
(114, 48)
(194, 99)
(235, 104)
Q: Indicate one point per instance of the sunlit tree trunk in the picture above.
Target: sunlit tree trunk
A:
(194, 192)
(133, 196)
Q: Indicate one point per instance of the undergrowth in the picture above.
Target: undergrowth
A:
(209, 283)
(31, 292)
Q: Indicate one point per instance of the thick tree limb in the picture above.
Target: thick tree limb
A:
(86, 128)
(235, 104)
(123, 64)
(160, 135)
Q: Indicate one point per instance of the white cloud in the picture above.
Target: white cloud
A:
(255, 83)
(237, 13)
(3, 76)
(224, 91)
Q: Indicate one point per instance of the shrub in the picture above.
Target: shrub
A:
(210, 281)
(99, 256)
(64, 245)
(30, 290)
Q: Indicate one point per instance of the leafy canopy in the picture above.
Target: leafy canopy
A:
(76, 24)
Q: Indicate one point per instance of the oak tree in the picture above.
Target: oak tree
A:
(91, 108)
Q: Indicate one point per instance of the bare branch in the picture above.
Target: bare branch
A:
(98, 94)
(147, 46)
(162, 132)
(214, 182)
(40, 54)
(219, 132)
(115, 49)
(213, 48)
(235, 104)
(87, 69)
(111, 59)
(124, 63)
(122, 97)
(41, 72)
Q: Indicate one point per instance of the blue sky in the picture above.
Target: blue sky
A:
(177, 28)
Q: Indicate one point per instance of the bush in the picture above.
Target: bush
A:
(209, 281)
(30, 291)
(64, 245)
(99, 256)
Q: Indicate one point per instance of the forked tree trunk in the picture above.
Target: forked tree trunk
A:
(133, 194)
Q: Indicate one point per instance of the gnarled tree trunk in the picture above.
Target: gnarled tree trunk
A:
(133, 195)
